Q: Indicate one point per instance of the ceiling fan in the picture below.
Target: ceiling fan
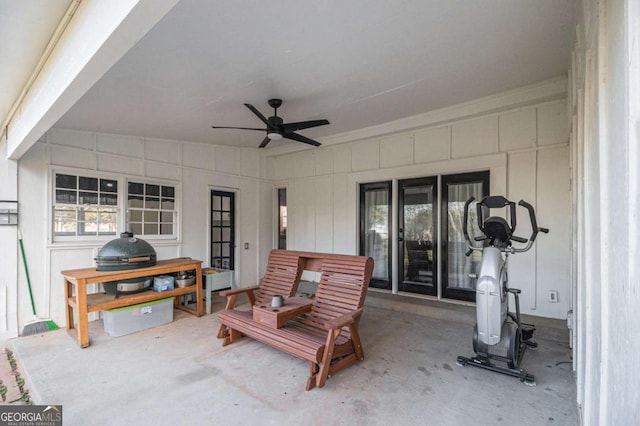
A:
(277, 129)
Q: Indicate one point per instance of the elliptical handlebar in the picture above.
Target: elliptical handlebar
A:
(534, 227)
(464, 227)
(492, 202)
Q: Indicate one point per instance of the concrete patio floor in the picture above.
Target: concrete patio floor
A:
(180, 374)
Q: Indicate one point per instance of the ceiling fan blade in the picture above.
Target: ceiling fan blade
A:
(294, 127)
(259, 114)
(265, 141)
(300, 138)
(238, 128)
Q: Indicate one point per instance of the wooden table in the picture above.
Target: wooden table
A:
(84, 303)
(277, 317)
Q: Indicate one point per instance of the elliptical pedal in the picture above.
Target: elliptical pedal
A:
(485, 363)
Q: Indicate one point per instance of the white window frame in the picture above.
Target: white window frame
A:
(121, 207)
(52, 205)
(176, 212)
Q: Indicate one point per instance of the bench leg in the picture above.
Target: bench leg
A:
(311, 382)
(232, 337)
(222, 331)
(231, 303)
(357, 344)
(323, 374)
(343, 363)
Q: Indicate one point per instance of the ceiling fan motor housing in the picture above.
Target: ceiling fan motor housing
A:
(275, 121)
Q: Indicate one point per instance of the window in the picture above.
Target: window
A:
(151, 209)
(91, 206)
(282, 218)
(84, 206)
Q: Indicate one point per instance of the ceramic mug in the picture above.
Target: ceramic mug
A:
(277, 301)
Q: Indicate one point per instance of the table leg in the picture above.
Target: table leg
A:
(199, 289)
(83, 314)
(68, 292)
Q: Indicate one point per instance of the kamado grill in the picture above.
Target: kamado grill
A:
(126, 252)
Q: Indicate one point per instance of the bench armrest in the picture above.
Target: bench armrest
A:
(225, 293)
(343, 320)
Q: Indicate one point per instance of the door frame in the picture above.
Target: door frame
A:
(400, 240)
(276, 215)
(467, 177)
(236, 230)
(496, 163)
(388, 185)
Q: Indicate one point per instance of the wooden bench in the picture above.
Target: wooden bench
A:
(328, 335)
(284, 269)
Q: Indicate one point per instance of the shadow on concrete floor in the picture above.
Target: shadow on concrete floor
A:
(180, 374)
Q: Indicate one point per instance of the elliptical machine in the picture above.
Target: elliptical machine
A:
(499, 335)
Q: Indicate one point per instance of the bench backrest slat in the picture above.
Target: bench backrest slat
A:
(342, 287)
(282, 277)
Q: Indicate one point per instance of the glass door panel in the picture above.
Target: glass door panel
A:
(457, 189)
(375, 227)
(282, 218)
(416, 237)
(222, 229)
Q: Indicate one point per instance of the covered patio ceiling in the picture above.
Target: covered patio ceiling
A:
(357, 63)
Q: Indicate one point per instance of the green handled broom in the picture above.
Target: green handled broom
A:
(37, 325)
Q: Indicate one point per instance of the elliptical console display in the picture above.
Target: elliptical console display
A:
(499, 335)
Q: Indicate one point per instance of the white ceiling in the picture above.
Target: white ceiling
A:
(357, 63)
(25, 29)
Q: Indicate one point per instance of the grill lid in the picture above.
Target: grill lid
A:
(126, 252)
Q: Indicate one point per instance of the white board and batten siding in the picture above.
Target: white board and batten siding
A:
(526, 150)
(193, 168)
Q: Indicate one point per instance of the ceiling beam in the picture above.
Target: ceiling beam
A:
(98, 34)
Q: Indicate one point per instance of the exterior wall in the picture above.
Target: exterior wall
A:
(605, 112)
(9, 254)
(525, 148)
(194, 168)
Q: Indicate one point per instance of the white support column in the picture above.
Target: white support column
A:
(97, 36)
(608, 163)
(9, 259)
(619, 196)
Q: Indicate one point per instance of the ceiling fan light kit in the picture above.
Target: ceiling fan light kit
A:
(277, 129)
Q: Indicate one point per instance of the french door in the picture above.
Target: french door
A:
(416, 235)
(222, 229)
(375, 230)
(456, 266)
(429, 238)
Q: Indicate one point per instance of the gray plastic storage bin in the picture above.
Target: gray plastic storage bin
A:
(129, 319)
(217, 279)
